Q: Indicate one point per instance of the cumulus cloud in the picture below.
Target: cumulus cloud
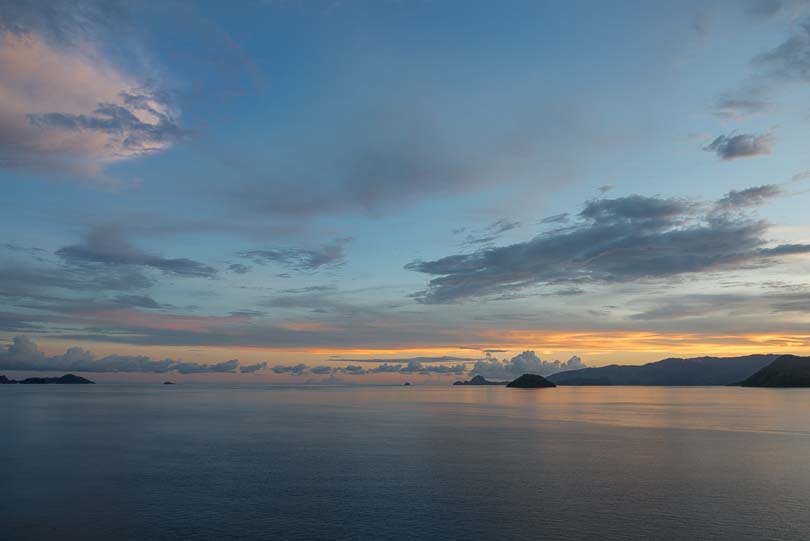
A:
(252, 368)
(525, 363)
(744, 145)
(412, 366)
(67, 107)
(107, 246)
(331, 254)
(616, 240)
(23, 354)
(295, 370)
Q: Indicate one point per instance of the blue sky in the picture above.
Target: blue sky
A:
(317, 183)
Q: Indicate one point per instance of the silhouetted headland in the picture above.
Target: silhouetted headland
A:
(673, 371)
(480, 380)
(530, 381)
(67, 379)
(786, 371)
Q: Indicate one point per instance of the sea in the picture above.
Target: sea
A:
(227, 462)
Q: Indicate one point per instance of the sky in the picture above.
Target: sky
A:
(381, 191)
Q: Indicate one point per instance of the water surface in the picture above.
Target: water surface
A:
(429, 463)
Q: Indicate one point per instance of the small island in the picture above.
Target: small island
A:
(480, 380)
(67, 379)
(786, 371)
(168, 383)
(530, 381)
(407, 384)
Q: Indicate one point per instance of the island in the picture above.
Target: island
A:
(786, 371)
(480, 380)
(407, 384)
(672, 371)
(530, 381)
(168, 383)
(67, 379)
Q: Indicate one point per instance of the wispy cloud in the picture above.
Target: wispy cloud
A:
(328, 255)
(107, 246)
(616, 240)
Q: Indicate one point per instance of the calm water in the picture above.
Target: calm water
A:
(183, 462)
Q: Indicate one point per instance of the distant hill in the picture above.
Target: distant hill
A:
(67, 379)
(786, 371)
(530, 381)
(673, 371)
(480, 380)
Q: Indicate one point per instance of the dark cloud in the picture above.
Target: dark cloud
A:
(238, 268)
(736, 106)
(23, 354)
(252, 368)
(616, 240)
(139, 301)
(301, 259)
(141, 124)
(411, 367)
(555, 219)
(786, 63)
(525, 363)
(320, 370)
(789, 61)
(295, 370)
(744, 145)
(106, 246)
(19, 281)
(442, 359)
(750, 197)
(719, 305)
(491, 232)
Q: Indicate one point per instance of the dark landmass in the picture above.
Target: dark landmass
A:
(407, 384)
(480, 380)
(696, 371)
(168, 383)
(530, 381)
(67, 379)
(786, 371)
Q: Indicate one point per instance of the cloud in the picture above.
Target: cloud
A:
(68, 108)
(442, 359)
(295, 370)
(23, 354)
(252, 368)
(491, 232)
(744, 145)
(238, 268)
(321, 370)
(525, 363)
(615, 240)
(788, 62)
(411, 367)
(738, 106)
(107, 246)
(301, 259)
(750, 197)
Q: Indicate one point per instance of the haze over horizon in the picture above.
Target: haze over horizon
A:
(378, 191)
